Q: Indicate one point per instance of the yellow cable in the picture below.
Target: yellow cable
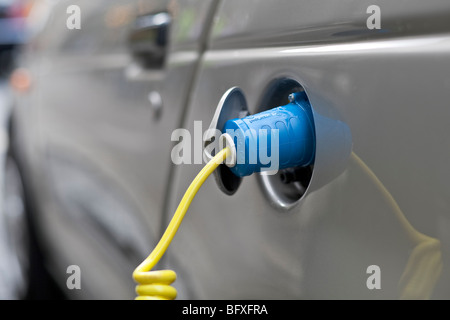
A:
(156, 285)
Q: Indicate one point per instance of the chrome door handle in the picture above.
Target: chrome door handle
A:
(148, 39)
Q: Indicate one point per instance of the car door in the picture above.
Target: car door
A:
(371, 223)
(106, 97)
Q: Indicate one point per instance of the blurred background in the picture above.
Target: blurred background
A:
(19, 20)
(14, 30)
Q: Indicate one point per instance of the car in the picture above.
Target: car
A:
(106, 91)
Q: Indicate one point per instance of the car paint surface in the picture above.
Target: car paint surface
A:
(99, 157)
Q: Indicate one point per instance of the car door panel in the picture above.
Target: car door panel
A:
(390, 189)
(103, 149)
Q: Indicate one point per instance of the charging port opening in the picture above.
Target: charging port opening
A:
(285, 188)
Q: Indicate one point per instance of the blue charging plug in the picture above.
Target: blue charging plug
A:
(288, 130)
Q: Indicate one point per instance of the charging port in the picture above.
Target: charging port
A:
(285, 188)
(285, 114)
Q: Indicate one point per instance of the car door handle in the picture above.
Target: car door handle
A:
(148, 39)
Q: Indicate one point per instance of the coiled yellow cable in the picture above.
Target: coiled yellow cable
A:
(156, 285)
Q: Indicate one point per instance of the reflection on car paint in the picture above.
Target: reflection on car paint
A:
(424, 265)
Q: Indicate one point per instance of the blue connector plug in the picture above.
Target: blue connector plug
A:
(279, 138)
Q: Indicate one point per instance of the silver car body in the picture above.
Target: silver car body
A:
(98, 151)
